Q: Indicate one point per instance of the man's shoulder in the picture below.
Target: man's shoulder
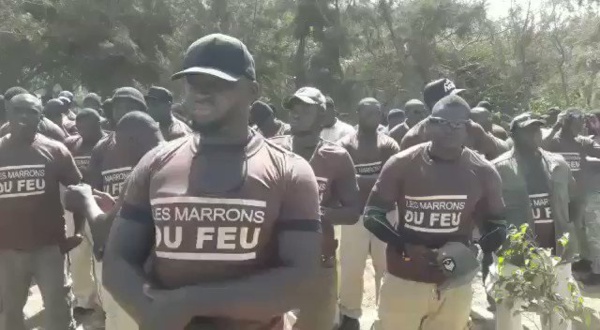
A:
(280, 141)
(555, 158)
(105, 143)
(333, 150)
(503, 159)
(347, 139)
(386, 140)
(344, 126)
(477, 160)
(410, 154)
(72, 141)
(45, 143)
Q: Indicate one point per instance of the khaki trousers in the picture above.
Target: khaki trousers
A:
(507, 319)
(356, 245)
(116, 317)
(81, 266)
(408, 305)
(320, 304)
(17, 271)
(592, 225)
(82, 270)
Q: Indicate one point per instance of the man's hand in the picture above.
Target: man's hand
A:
(421, 254)
(166, 310)
(76, 197)
(105, 201)
(70, 243)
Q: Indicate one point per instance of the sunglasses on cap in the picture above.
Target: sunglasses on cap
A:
(447, 123)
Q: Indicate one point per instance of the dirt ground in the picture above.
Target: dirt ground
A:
(482, 319)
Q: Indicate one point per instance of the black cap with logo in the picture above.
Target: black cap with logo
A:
(437, 89)
(218, 55)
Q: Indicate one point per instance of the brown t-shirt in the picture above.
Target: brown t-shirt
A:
(46, 128)
(543, 222)
(204, 237)
(334, 171)
(398, 132)
(82, 152)
(574, 152)
(368, 159)
(31, 212)
(478, 140)
(176, 130)
(109, 167)
(438, 201)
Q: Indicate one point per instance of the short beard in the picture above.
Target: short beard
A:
(208, 128)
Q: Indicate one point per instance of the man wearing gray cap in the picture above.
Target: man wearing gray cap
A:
(230, 221)
(442, 190)
(538, 188)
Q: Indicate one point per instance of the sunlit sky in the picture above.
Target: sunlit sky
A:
(500, 8)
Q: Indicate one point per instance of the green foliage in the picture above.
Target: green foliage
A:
(531, 59)
(528, 276)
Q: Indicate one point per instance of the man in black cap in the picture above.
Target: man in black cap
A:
(84, 286)
(135, 134)
(262, 115)
(395, 117)
(333, 127)
(338, 193)
(56, 110)
(230, 221)
(442, 192)
(69, 101)
(160, 102)
(46, 127)
(566, 140)
(477, 139)
(539, 190)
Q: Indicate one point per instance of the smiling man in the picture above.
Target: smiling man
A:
(230, 221)
(441, 189)
(32, 230)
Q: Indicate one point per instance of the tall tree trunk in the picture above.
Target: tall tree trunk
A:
(300, 61)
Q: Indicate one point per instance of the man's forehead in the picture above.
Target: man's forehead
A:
(453, 112)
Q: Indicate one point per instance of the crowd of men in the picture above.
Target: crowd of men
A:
(214, 214)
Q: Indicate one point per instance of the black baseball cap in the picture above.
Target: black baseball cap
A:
(437, 89)
(218, 55)
(159, 94)
(129, 93)
(525, 119)
(459, 263)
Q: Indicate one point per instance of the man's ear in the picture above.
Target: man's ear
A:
(254, 90)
